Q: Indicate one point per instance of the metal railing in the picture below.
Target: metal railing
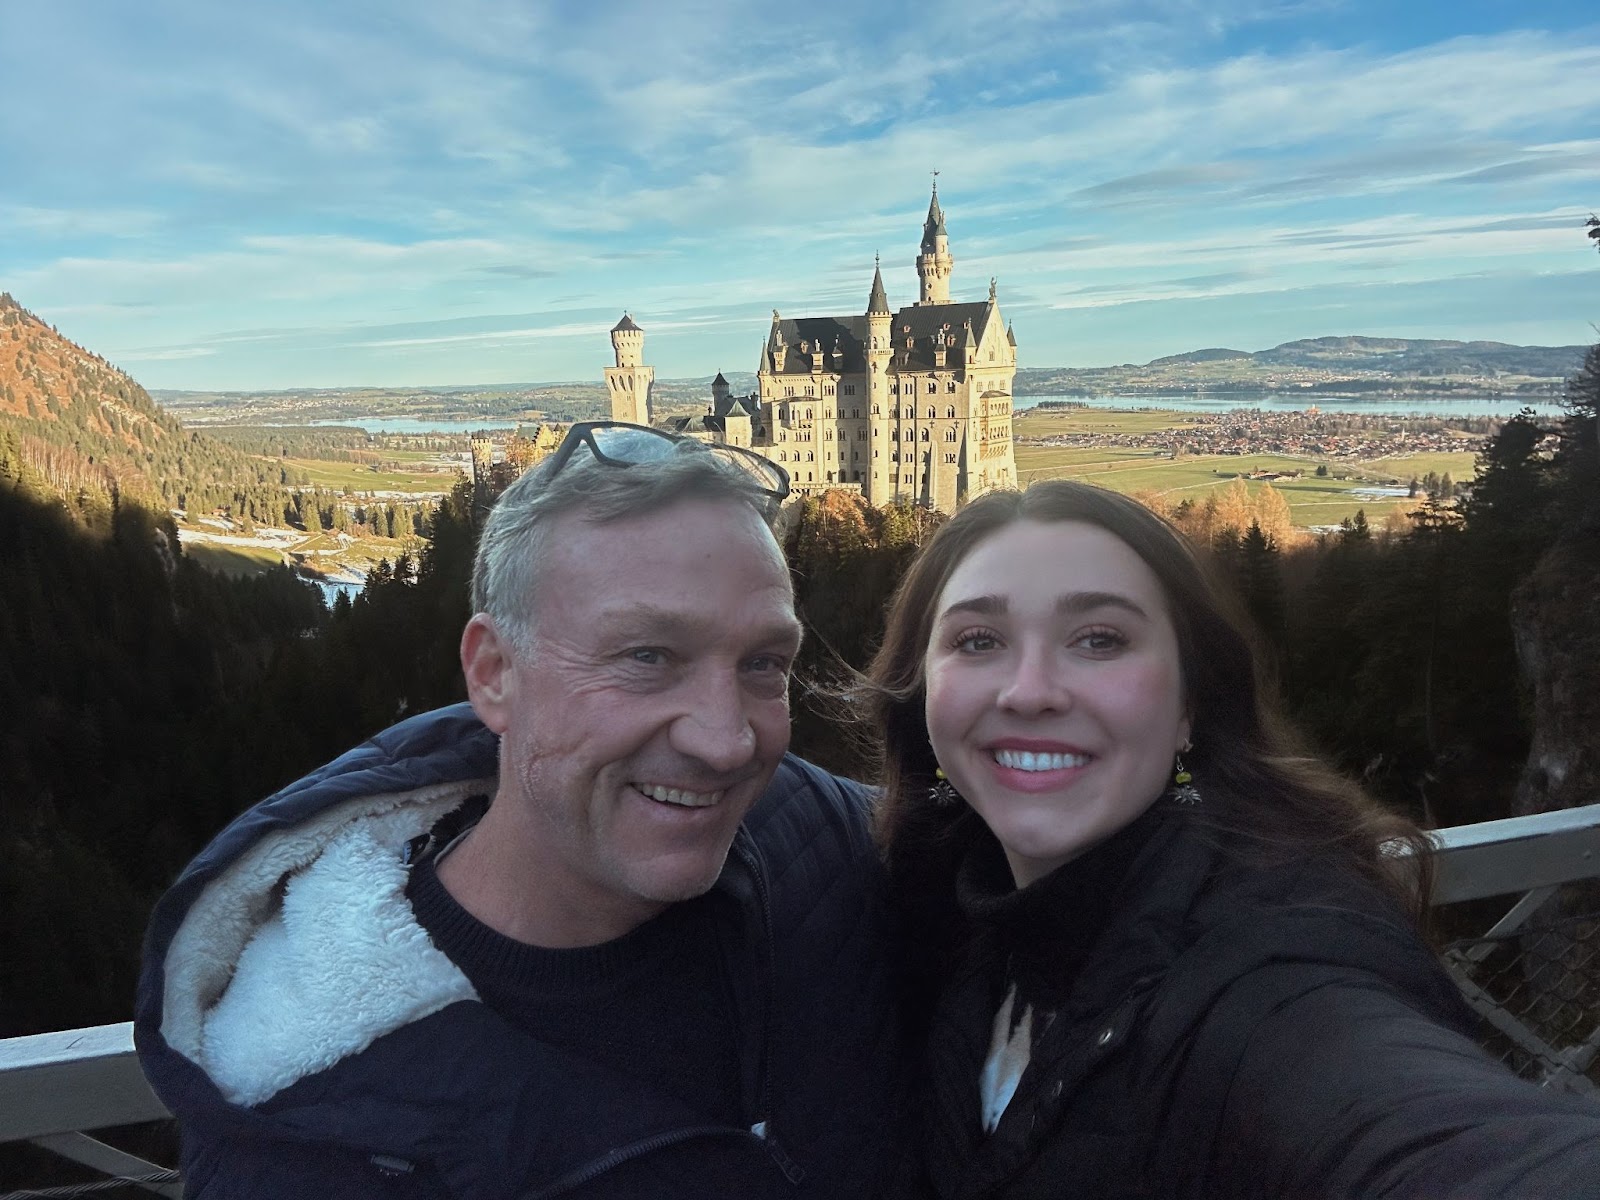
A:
(1534, 977)
(54, 1086)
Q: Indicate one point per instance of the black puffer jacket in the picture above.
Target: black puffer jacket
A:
(313, 1043)
(1241, 1033)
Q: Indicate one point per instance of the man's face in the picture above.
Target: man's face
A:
(652, 708)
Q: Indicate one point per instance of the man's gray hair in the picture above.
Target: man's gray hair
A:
(515, 537)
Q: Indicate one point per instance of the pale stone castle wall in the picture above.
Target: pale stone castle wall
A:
(911, 405)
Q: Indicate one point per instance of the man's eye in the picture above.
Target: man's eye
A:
(648, 655)
(767, 663)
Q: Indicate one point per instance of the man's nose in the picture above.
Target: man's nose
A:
(716, 728)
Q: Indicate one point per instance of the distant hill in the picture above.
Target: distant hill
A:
(1199, 356)
(1426, 356)
(1419, 366)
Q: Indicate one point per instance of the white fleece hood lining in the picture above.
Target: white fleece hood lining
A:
(305, 950)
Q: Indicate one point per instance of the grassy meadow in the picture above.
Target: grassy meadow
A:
(1349, 486)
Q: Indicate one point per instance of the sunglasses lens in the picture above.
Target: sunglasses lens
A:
(631, 444)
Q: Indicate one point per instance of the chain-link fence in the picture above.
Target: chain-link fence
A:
(1537, 992)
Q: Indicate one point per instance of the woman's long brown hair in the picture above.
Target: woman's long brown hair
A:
(1265, 799)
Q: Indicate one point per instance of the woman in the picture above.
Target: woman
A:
(1170, 955)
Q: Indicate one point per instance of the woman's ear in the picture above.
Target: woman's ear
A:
(488, 664)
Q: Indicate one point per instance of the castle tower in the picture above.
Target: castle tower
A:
(482, 460)
(881, 480)
(630, 381)
(934, 263)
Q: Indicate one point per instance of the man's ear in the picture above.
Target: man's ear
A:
(488, 662)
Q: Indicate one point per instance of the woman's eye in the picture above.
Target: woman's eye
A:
(1102, 641)
(976, 641)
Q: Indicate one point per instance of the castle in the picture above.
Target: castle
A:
(911, 406)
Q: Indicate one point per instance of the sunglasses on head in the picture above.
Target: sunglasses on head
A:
(619, 444)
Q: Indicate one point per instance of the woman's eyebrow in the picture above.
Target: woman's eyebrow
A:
(1081, 602)
(983, 606)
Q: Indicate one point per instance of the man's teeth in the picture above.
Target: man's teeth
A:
(1028, 760)
(680, 797)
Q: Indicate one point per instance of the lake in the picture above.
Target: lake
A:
(1455, 406)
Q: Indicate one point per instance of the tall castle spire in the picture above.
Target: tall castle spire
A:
(878, 302)
(934, 263)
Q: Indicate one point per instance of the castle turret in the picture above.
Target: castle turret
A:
(934, 263)
(881, 484)
(630, 381)
(719, 395)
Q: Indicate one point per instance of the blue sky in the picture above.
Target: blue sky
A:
(344, 192)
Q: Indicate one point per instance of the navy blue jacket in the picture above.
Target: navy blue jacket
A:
(385, 1076)
(1245, 1033)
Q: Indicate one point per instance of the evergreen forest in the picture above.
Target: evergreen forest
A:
(147, 700)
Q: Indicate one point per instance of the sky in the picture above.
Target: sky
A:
(336, 193)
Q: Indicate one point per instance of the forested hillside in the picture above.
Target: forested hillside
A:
(87, 429)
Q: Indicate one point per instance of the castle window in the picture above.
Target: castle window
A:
(949, 435)
(788, 391)
(950, 412)
(895, 457)
(949, 458)
(932, 386)
(855, 456)
(931, 413)
(911, 435)
(808, 411)
(855, 412)
(894, 389)
(849, 389)
(808, 390)
(950, 385)
(924, 435)
(875, 410)
(810, 456)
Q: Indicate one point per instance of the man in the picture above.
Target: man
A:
(597, 936)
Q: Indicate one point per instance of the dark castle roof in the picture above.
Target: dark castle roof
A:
(627, 323)
(934, 226)
(878, 301)
(918, 324)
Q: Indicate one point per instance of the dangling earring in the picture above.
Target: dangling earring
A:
(944, 792)
(1183, 789)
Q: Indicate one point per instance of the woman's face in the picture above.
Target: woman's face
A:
(1054, 694)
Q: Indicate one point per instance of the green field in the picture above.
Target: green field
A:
(233, 560)
(1313, 500)
(418, 480)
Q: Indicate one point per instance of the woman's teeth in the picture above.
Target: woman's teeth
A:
(1029, 760)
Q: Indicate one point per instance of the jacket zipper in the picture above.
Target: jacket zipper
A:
(622, 1154)
(792, 1170)
(760, 1130)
